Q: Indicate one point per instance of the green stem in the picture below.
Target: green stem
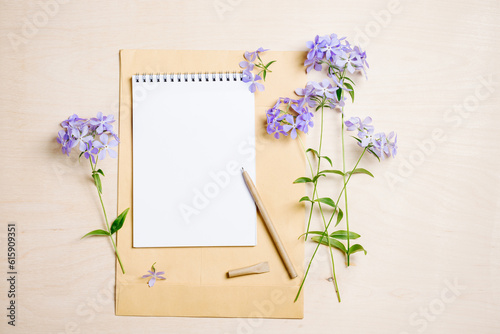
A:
(345, 195)
(314, 190)
(334, 276)
(346, 209)
(326, 231)
(93, 166)
(319, 204)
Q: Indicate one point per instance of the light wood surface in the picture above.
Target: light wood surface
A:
(429, 219)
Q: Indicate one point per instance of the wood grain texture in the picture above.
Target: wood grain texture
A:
(429, 220)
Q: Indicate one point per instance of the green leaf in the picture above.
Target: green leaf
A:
(97, 232)
(264, 75)
(342, 234)
(340, 215)
(100, 172)
(333, 171)
(317, 177)
(360, 171)
(327, 159)
(339, 94)
(269, 64)
(351, 91)
(303, 180)
(356, 248)
(118, 223)
(333, 243)
(97, 181)
(305, 198)
(313, 232)
(347, 78)
(313, 151)
(374, 154)
(326, 200)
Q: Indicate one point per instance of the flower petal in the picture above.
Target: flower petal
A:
(151, 282)
(104, 138)
(102, 155)
(112, 153)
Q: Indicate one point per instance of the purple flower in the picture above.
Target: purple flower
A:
(249, 77)
(324, 88)
(80, 138)
(273, 121)
(91, 151)
(291, 126)
(336, 103)
(276, 129)
(392, 145)
(273, 115)
(355, 123)
(73, 121)
(359, 57)
(105, 146)
(380, 144)
(247, 65)
(313, 64)
(365, 130)
(251, 56)
(154, 276)
(331, 46)
(352, 123)
(306, 94)
(102, 123)
(82, 132)
(304, 121)
(366, 138)
(383, 146)
(63, 139)
(315, 48)
(345, 60)
(287, 100)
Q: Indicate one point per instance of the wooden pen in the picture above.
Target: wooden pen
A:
(269, 224)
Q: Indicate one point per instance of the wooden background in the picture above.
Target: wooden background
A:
(429, 219)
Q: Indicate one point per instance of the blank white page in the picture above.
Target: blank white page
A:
(190, 141)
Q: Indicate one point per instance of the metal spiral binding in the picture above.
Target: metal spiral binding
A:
(188, 77)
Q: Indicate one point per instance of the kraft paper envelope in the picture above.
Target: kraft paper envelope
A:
(196, 283)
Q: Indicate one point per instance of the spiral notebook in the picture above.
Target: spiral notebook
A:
(192, 134)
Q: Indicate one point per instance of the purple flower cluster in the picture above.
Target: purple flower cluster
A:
(248, 66)
(296, 116)
(381, 144)
(83, 133)
(336, 52)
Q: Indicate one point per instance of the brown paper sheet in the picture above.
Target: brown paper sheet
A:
(196, 283)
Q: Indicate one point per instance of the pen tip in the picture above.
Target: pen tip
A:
(242, 169)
